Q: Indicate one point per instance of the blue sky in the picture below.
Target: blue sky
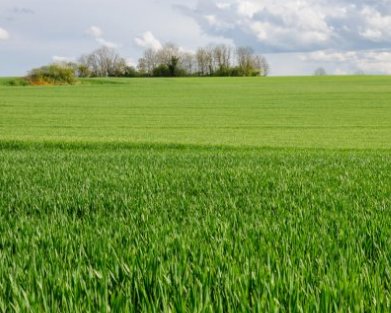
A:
(343, 36)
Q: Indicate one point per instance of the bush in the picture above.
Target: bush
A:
(130, 71)
(53, 74)
(17, 82)
(161, 71)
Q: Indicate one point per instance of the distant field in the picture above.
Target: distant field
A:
(196, 195)
(330, 112)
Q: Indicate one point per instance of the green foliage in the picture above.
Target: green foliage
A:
(54, 74)
(173, 66)
(130, 71)
(171, 69)
(14, 82)
(161, 71)
(83, 71)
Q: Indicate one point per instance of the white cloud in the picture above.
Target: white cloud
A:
(94, 31)
(97, 33)
(296, 26)
(377, 25)
(329, 56)
(223, 5)
(107, 43)
(217, 23)
(4, 35)
(376, 61)
(57, 58)
(248, 8)
(148, 40)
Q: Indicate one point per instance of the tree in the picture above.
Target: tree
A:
(245, 60)
(104, 62)
(142, 67)
(261, 65)
(187, 60)
(359, 73)
(222, 57)
(161, 70)
(148, 62)
(131, 71)
(202, 61)
(320, 72)
(173, 66)
(167, 52)
(210, 65)
(83, 71)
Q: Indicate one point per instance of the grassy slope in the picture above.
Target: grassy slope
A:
(196, 228)
(331, 112)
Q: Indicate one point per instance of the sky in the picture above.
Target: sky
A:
(342, 36)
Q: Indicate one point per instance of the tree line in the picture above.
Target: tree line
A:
(168, 61)
(212, 60)
(171, 61)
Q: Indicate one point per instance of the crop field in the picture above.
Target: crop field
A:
(331, 112)
(196, 195)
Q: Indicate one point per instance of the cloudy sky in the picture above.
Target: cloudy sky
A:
(343, 36)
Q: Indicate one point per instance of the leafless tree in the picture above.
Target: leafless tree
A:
(167, 52)
(202, 61)
(187, 62)
(359, 73)
(222, 56)
(320, 72)
(148, 62)
(103, 62)
(261, 65)
(210, 61)
(245, 59)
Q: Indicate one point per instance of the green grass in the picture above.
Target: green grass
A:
(196, 195)
(330, 112)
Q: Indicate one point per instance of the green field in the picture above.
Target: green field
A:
(331, 112)
(196, 195)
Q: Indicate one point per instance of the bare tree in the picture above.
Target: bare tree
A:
(266, 67)
(142, 67)
(359, 73)
(103, 62)
(148, 62)
(187, 62)
(320, 72)
(245, 60)
(261, 65)
(202, 61)
(167, 52)
(222, 56)
(209, 58)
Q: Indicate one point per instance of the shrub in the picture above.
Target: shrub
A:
(53, 74)
(130, 71)
(161, 71)
(17, 82)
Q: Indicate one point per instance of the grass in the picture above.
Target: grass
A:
(155, 206)
(330, 112)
